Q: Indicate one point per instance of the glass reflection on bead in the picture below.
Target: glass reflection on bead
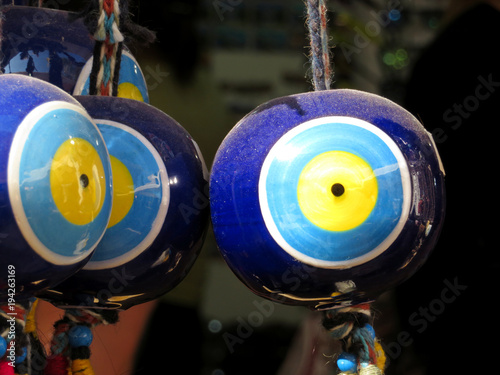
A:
(48, 44)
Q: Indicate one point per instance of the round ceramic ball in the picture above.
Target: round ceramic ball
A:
(49, 44)
(160, 209)
(55, 185)
(327, 198)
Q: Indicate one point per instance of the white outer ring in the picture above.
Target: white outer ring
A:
(278, 149)
(14, 164)
(162, 212)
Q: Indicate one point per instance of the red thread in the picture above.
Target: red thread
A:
(108, 50)
(56, 365)
(323, 16)
(364, 306)
(372, 354)
(109, 6)
(18, 311)
(105, 89)
(87, 318)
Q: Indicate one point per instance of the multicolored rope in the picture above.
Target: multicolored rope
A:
(320, 52)
(70, 345)
(107, 50)
(21, 353)
(362, 354)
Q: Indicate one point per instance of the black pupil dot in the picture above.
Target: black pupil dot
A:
(84, 180)
(338, 190)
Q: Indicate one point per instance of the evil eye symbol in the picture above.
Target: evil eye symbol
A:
(59, 181)
(131, 81)
(335, 192)
(141, 195)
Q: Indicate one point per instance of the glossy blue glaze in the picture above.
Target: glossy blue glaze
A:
(15, 2)
(261, 255)
(347, 362)
(45, 43)
(80, 335)
(150, 250)
(36, 119)
(56, 46)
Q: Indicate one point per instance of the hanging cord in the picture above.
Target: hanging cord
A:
(317, 24)
(36, 356)
(107, 50)
(363, 353)
(20, 349)
(110, 24)
(70, 352)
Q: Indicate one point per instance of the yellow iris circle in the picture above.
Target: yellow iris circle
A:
(129, 91)
(337, 190)
(123, 191)
(77, 181)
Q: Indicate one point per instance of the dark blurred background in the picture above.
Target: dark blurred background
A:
(215, 60)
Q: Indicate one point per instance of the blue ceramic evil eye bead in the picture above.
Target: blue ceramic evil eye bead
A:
(3, 346)
(160, 209)
(347, 362)
(326, 198)
(55, 184)
(49, 44)
(80, 335)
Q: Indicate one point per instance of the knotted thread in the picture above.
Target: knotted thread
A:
(17, 326)
(352, 327)
(319, 49)
(107, 50)
(66, 360)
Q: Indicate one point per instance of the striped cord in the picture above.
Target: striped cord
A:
(107, 50)
(363, 353)
(319, 49)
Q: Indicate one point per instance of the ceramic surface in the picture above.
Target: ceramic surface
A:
(160, 210)
(55, 184)
(44, 43)
(326, 198)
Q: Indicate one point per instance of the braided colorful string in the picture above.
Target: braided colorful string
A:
(107, 50)
(21, 353)
(320, 52)
(362, 351)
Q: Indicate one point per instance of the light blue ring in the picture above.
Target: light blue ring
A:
(278, 191)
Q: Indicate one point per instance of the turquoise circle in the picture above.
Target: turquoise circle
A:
(134, 233)
(51, 228)
(285, 163)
